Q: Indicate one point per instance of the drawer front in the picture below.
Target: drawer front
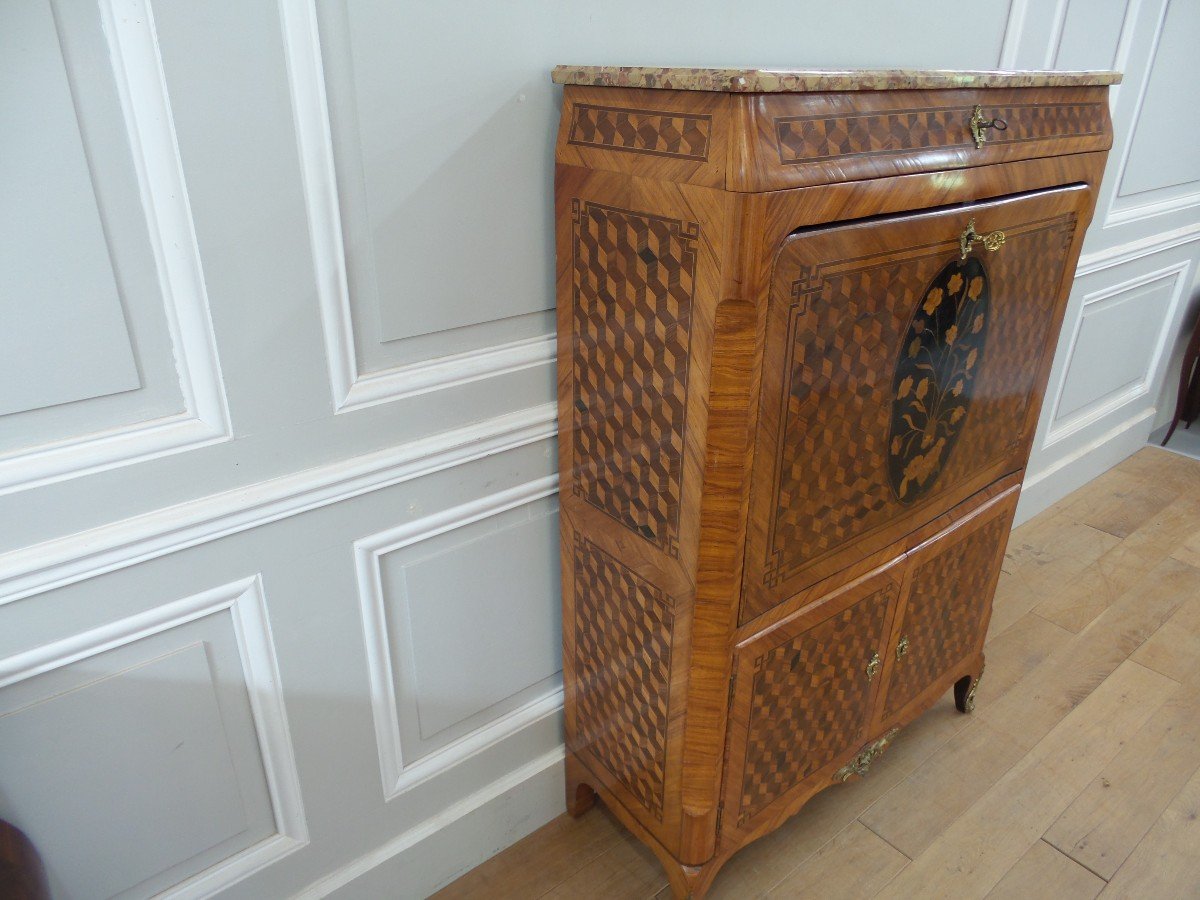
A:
(946, 606)
(898, 379)
(807, 139)
(803, 693)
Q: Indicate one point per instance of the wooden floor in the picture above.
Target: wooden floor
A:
(1077, 776)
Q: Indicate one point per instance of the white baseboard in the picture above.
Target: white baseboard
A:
(429, 856)
(1052, 482)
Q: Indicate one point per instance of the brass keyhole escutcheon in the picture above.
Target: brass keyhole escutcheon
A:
(992, 241)
(979, 126)
(902, 648)
(873, 666)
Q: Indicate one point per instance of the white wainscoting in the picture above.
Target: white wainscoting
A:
(82, 742)
(54, 564)
(132, 43)
(400, 803)
(353, 388)
(1111, 363)
(1154, 128)
(392, 633)
(1109, 422)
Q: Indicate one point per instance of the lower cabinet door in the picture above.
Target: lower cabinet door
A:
(802, 698)
(945, 607)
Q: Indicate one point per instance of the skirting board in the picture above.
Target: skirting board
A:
(1055, 480)
(423, 859)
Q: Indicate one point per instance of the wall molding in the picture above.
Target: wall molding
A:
(142, 91)
(352, 388)
(1121, 254)
(548, 762)
(247, 607)
(1054, 44)
(1101, 408)
(1073, 470)
(53, 564)
(1115, 214)
(1013, 26)
(397, 775)
(449, 371)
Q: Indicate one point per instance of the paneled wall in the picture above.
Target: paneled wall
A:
(278, 591)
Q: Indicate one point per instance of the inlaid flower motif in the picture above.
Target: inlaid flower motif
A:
(934, 376)
(933, 300)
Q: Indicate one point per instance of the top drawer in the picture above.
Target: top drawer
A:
(807, 139)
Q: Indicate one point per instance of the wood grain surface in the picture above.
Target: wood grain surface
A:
(794, 417)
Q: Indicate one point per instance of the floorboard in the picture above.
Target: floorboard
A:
(1077, 777)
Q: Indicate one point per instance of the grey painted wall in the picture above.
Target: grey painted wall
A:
(277, 494)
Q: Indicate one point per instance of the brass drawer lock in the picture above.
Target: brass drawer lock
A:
(992, 241)
(979, 126)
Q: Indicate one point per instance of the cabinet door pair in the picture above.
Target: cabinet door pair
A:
(810, 691)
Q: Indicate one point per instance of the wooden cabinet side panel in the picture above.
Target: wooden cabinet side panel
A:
(639, 273)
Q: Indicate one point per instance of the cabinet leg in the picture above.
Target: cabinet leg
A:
(580, 796)
(964, 691)
(692, 882)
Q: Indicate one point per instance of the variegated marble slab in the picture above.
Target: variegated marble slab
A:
(752, 81)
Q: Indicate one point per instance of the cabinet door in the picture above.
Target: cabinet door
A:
(900, 377)
(945, 608)
(802, 698)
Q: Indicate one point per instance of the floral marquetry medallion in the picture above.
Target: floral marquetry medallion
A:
(939, 359)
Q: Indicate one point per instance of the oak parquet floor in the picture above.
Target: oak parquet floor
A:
(1078, 776)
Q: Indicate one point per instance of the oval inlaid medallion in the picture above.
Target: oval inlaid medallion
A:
(939, 358)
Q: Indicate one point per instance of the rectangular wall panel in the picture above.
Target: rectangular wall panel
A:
(64, 336)
(150, 754)
(461, 618)
(1115, 346)
(1163, 151)
(136, 758)
(477, 608)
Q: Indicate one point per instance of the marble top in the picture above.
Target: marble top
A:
(755, 81)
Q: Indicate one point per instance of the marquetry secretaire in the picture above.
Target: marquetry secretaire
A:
(805, 323)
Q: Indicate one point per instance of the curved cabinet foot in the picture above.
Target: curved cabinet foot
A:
(964, 691)
(692, 882)
(580, 795)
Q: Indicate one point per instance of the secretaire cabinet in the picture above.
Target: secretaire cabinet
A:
(805, 322)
